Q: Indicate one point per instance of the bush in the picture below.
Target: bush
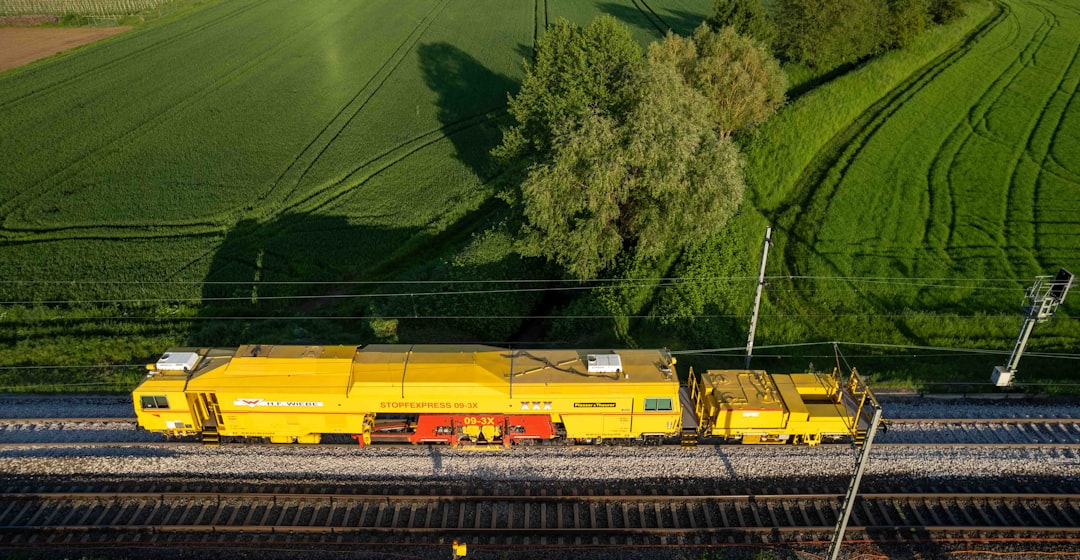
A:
(747, 17)
(945, 11)
(826, 34)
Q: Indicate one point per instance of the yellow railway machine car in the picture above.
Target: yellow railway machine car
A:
(449, 394)
(755, 407)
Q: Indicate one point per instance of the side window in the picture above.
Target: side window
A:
(154, 401)
(657, 404)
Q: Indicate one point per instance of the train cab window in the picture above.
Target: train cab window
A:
(657, 404)
(154, 401)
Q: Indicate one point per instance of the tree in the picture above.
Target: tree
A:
(825, 34)
(652, 182)
(747, 17)
(620, 155)
(577, 73)
(741, 79)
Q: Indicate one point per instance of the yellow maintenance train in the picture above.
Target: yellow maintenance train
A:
(469, 395)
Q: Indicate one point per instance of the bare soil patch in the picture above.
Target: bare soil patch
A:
(20, 45)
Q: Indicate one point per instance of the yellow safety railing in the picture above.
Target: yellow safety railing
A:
(702, 407)
(862, 395)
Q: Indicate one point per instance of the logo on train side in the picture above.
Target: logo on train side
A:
(252, 403)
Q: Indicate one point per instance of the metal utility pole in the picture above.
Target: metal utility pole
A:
(757, 297)
(1045, 296)
(853, 486)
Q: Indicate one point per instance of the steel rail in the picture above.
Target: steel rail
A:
(984, 420)
(98, 420)
(285, 529)
(122, 419)
(536, 497)
(388, 446)
(1065, 437)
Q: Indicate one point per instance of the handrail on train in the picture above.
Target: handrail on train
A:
(861, 393)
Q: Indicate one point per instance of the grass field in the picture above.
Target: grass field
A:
(157, 185)
(263, 141)
(286, 121)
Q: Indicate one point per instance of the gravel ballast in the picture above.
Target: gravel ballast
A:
(734, 463)
(66, 406)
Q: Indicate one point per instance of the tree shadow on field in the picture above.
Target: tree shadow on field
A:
(307, 279)
(472, 102)
(681, 22)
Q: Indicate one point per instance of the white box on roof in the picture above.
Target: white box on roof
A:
(605, 363)
(177, 361)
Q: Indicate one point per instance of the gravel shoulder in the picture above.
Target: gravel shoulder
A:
(728, 463)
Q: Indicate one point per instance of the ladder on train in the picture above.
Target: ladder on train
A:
(210, 435)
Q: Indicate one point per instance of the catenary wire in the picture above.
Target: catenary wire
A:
(192, 318)
(616, 283)
(516, 280)
(703, 351)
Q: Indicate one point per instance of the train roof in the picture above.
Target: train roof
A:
(490, 365)
(305, 369)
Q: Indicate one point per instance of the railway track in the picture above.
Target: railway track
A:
(108, 519)
(38, 512)
(993, 432)
(51, 421)
(1002, 433)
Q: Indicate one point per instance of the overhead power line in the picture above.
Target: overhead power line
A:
(699, 351)
(380, 282)
(583, 286)
(202, 318)
(519, 280)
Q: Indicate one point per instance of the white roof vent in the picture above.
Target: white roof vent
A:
(177, 361)
(605, 363)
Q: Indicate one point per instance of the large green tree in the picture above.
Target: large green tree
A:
(577, 73)
(738, 75)
(621, 156)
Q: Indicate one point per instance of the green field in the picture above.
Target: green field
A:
(272, 142)
(248, 112)
(973, 173)
(957, 165)
(156, 185)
